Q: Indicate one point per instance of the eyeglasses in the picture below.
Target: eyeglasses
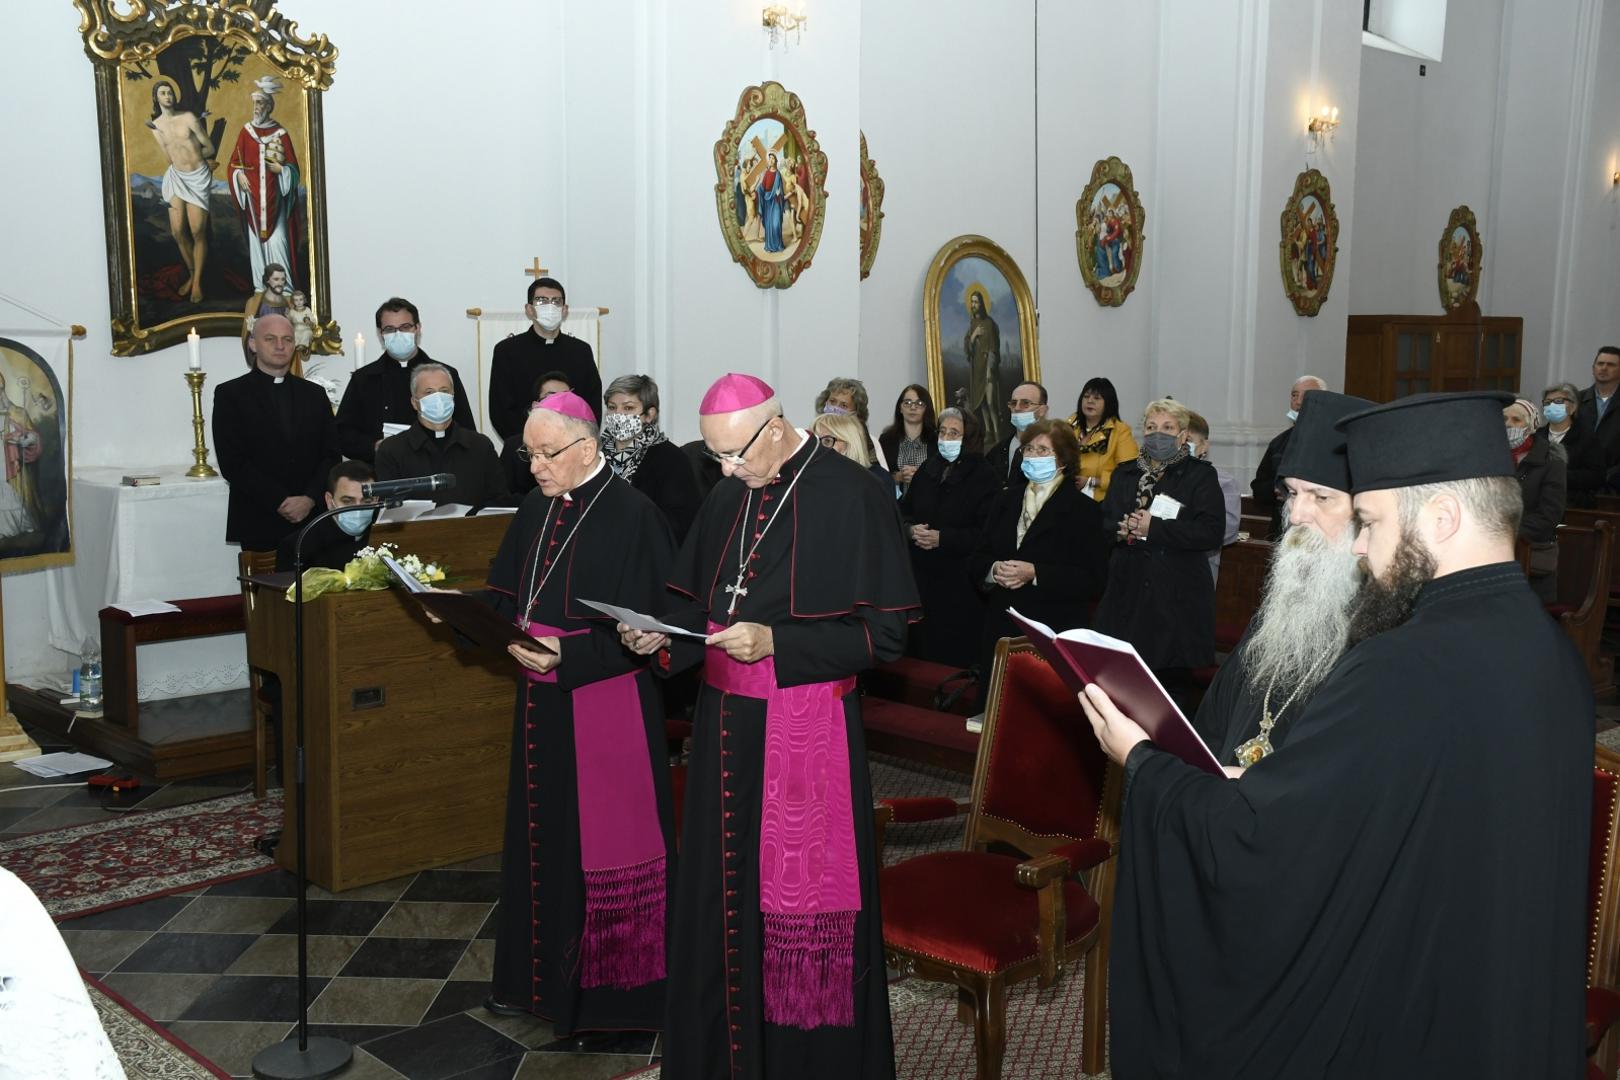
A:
(829, 441)
(403, 328)
(737, 458)
(1021, 404)
(910, 403)
(1556, 401)
(529, 455)
(1036, 450)
(547, 301)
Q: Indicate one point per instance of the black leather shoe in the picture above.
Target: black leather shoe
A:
(491, 1005)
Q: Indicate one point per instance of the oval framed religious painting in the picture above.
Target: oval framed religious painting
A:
(1108, 233)
(979, 326)
(871, 210)
(1461, 252)
(1309, 250)
(771, 186)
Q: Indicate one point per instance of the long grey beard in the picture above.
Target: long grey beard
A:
(1303, 625)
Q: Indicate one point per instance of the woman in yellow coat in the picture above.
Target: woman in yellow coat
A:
(1106, 441)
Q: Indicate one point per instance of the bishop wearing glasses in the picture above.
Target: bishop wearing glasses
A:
(797, 571)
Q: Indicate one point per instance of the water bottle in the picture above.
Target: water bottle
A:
(90, 677)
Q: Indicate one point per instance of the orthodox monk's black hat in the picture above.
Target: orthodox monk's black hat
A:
(1428, 439)
(1315, 450)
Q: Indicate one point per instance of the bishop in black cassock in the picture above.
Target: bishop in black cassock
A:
(1400, 890)
(589, 849)
(798, 569)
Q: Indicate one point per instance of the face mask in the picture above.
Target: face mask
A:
(1022, 420)
(399, 344)
(1038, 470)
(438, 407)
(830, 409)
(620, 425)
(548, 316)
(1556, 413)
(949, 448)
(1516, 437)
(354, 522)
(1292, 414)
(1159, 445)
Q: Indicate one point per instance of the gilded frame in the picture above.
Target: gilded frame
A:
(1111, 194)
(871, 210)
(45, 417)
(959, 270)
(799, 191)
(1308, 252)
(236, 50)
(1457, 272)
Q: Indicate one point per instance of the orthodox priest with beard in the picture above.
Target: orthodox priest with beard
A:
(1302, 627)
(797, 571)
(589, 843)
(1400, 890)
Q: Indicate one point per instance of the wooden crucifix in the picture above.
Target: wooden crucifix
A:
(535, 270)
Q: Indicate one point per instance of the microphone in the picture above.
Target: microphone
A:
(406, 486)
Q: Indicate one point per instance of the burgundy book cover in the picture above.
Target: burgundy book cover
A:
(1081, 657)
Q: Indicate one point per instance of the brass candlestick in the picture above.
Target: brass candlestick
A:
(199, 450)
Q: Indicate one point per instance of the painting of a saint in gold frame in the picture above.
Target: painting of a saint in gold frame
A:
(213, 169)
(979, 325)
(771, 186)
(1461, 254)
(871, 210)
(1108, 232)
(1309, 249)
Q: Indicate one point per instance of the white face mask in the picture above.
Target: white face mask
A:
(548, 316)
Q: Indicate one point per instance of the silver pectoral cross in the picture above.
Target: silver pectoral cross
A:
(737, 593)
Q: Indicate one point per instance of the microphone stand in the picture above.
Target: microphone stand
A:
(304, 1058)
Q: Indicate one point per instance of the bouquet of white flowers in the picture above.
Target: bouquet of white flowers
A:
(367, 571)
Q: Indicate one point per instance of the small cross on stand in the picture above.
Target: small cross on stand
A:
(536, 270)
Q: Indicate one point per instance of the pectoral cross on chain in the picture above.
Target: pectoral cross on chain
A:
(737, 593)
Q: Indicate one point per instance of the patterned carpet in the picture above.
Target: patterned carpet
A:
(144, 1050)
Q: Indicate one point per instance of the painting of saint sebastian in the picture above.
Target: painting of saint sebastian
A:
(264, 182)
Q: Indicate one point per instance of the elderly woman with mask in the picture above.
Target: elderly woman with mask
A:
(1585, 473)
(638, 451)
(1541, 466)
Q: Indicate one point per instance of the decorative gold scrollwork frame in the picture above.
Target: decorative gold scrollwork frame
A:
(1108, 234)
(226, 48)
(1461, 254)
(1309, 250)
(772, 231)
(871, 210)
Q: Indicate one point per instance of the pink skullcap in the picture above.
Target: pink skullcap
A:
(733, 393)
(567, 403)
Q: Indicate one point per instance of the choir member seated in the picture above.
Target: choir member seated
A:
(945, 508)
(437, 444)
(333, 542)
(638, 450)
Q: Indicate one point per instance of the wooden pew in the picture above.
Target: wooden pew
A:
(1590, 518)
(1585, 572)
(1237, 590)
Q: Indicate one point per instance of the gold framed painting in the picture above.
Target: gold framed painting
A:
(1461, 253)
(36, 407)
(980, 332)
(770, 186)
(1309, 249)
(213, 169)
(871, 210)
(1108, 234)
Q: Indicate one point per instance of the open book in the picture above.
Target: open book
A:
(475, 620)
(1082, 657)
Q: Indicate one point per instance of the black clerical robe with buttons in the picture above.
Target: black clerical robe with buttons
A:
(1398, 892)
(274, 438)
(380, 393)
(517, 364)
(458, 450)
(604, 541)
(831, 578)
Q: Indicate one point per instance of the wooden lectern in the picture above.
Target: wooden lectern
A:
(407, 737)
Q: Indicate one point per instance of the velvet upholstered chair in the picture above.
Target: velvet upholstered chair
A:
(1603, 929)
(1008, 906)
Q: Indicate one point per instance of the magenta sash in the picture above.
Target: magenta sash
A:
(809, 883)
(621, 842)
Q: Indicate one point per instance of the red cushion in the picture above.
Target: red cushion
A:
(200, 606)
(937, 808)
(922, 725)
(1602, 1010)
(967, 908)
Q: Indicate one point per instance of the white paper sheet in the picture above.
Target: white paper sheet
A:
(637, 621)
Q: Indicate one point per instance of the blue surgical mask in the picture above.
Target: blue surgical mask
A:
(354, 522)
(1160, 445)
(1022, 420)
(1292, 414)
(949, 448)
(1556, 412)
(438, 407)
(399, 344)
(1038, 470)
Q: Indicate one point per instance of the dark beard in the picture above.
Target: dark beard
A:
(1385, 604)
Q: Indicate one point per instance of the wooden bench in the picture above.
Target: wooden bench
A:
(1585, 572)
(919, 682)
(1242, 580)
(919, 734)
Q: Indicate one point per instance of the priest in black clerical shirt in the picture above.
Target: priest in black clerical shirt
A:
(436, 443)
(521, 359)
(1400, 890)
(379, 393)
(275, 439)
(333, 543)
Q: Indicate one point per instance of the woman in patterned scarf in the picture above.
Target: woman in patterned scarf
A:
(637, 449)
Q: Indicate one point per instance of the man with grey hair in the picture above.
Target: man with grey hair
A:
(437, 444)
(1267, 495)
(377, 400)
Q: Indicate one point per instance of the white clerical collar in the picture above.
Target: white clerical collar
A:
(441, 433)
(601, 463)
(279, 379)
(403, 363)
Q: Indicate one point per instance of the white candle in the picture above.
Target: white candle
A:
(359, 350)
(194, 346)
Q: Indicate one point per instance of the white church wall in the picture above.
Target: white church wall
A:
(1592, 315)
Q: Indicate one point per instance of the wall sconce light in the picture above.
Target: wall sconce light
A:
(781, 20)
(1322, 126)
(1617, 178)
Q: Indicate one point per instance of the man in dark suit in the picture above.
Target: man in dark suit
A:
(1267, 497)
(275, 439)
(1026, 406)
(1598, 410)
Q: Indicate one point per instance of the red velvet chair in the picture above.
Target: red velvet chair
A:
(1603, 942)
(983, 919)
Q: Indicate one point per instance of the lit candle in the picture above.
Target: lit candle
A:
(359, 350)
(194, 346)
